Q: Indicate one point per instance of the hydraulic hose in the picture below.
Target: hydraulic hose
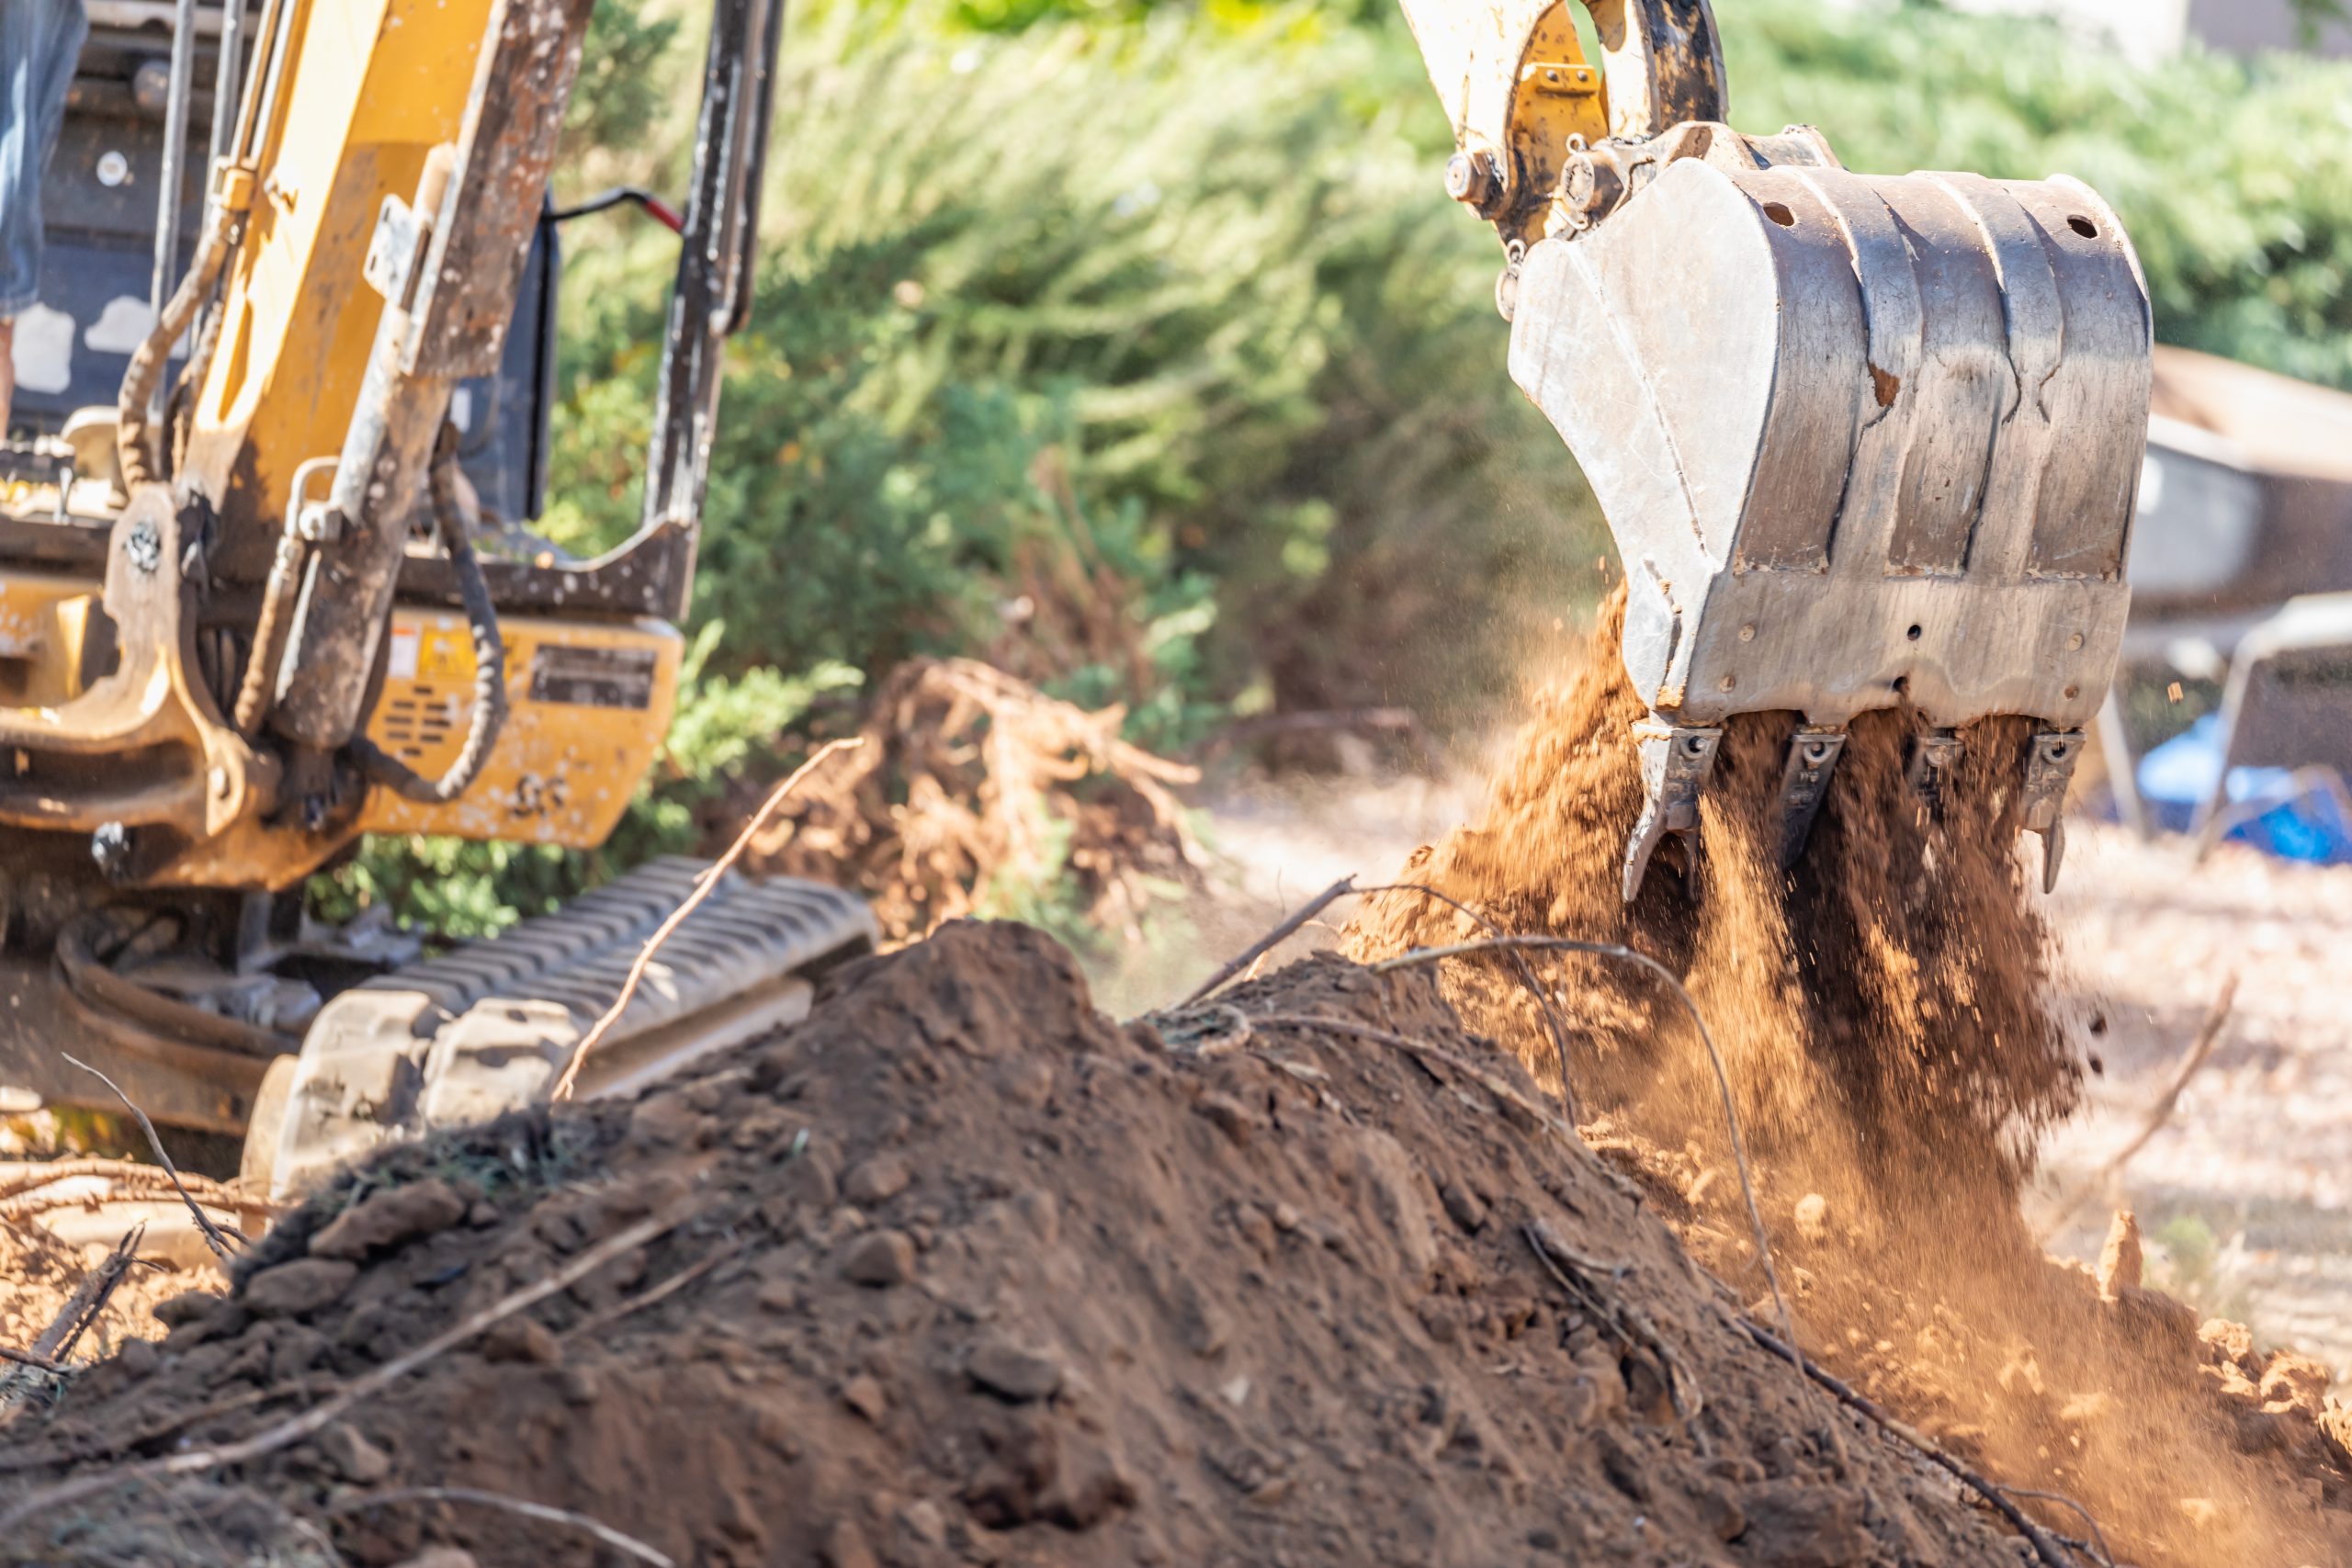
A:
(254, 691)
(490, 653)
(134, 436)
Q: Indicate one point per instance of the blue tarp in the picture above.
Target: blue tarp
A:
(2175, 778)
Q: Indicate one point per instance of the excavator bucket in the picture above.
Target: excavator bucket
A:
(1863, 441)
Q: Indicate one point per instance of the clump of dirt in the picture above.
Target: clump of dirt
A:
(974, 790)
(968, 1272)
(1882, 1011)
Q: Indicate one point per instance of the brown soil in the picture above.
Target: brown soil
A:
(1882, 1017)
(993, 1278)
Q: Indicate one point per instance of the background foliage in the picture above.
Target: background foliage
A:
(1133, 347)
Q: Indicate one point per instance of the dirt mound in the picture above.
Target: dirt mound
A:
(963, 1270)
(975, 790)
(1882, 1011)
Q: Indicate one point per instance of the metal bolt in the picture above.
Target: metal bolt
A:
(1747, 632)
(1473, 179)
(2074, 642)
(1729, 681)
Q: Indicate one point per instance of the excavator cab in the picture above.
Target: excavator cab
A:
(1864, 441)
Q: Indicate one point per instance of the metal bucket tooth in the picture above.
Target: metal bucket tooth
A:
(1934, 755)
(2049, 768)
(1804, 784)
(1676, 761)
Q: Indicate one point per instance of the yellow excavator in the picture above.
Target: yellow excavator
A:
(268, 584)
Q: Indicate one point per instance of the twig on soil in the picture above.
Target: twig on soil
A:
(707, 880)
(1527, 976)
(1630, 1326)
(1723, 1078)
(1541, 1114)
(2208, 1035)
(27, 1359)
(627, 1544)
(2044, 1548)
(213, 1237)
(1271, 940)
(30, 1177)
(654, 1292)
(294, 1428)
(2097, 1547)
(33, 1205)
(89, 1297)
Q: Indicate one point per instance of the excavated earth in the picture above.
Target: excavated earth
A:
(963, 1270)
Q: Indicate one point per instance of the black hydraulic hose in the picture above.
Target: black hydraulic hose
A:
(660, 211)
(489, 654)
(133, 427)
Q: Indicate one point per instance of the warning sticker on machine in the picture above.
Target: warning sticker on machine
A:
(593, 677)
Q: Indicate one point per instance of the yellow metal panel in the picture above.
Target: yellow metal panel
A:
(588, 703)
(44, 619)
(372, 85)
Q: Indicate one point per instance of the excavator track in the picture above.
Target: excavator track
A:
(488, 1027)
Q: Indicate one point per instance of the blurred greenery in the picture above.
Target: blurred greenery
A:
(1135, 347)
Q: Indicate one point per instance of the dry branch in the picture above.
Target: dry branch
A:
(627, 1544)
(704, 883)
(294, 1428)
(89, 1297)
(1630, 1326)
(19, 1178)
(1271, 940)
(2044, 1548)
(1527, 977)
(213, 1237)
(974, 783)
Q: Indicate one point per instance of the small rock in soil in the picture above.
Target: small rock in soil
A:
(522, 1340)
(846, 1546)
(1228, 1115)
(384, 1219)
(1791, 1527)
(1812, 1218)
(865, 1395)
(302, 1286)
(876, 1181)
(1013, 1372)
(880, 1259)
(1465, 1207)
(353, 1456)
